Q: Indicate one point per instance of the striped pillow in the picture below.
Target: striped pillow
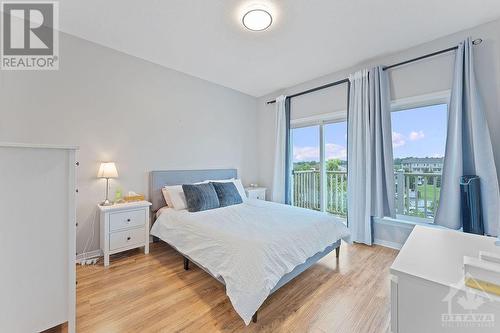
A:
(200, 197)
(227, 193)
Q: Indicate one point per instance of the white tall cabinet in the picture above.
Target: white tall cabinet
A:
(37, 237)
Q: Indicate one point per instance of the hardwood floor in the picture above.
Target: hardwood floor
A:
(153, 293)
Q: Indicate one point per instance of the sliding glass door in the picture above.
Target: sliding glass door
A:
(319, 175)
(306, 167)
(336, 168)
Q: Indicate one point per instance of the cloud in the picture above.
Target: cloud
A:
(305, 154)
(332, 151)
(398, 139)
(414, 136)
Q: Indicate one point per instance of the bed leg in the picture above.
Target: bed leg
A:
(186, 264)
(337, 251)
(254, 317)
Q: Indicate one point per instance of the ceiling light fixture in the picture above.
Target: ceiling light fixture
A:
(257, 19)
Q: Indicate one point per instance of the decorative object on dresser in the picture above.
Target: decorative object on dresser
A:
(255, 192)
(37, 237)
(107, 170)
(430, 278)
(124, 227)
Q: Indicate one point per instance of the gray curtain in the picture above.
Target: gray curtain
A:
(468, 148)
(280, 156)
(281, 192)
(370, 187)
(381, 140)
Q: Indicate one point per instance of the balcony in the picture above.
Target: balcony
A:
(416, 194)
(306, 191)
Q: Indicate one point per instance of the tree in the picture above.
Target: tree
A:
(332, 165)
(306, 166)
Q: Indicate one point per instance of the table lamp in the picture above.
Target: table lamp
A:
(107, 170)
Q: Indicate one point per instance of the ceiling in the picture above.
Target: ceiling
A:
(308, 38)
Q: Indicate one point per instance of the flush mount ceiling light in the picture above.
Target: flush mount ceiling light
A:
(257, 19)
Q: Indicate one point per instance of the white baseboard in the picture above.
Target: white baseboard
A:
(89, 255)
(392, 245)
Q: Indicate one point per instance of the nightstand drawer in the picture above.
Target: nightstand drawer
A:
(259, 194)
(126, 238)
(127, 219)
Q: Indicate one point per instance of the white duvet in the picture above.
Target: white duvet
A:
(251, 246)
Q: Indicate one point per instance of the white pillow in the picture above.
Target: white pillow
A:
(176, 196)
(167, 197)
(237, 183)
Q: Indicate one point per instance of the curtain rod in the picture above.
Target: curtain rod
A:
(346, 80)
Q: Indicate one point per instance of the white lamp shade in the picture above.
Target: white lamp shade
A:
(107, 170)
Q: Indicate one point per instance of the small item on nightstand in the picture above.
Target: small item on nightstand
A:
(118, 195)
(107, 170)
(254, 185)
(132, 196)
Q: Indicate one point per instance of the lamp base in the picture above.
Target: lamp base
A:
(106, 203)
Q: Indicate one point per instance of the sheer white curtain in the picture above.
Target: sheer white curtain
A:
(370, 186)
(279, 176)
(468, 148)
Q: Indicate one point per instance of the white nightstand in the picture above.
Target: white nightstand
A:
(124, 227)
(256, 193)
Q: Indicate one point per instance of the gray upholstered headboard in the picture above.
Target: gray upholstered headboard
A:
(158, 179)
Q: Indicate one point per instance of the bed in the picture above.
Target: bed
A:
(254, 248)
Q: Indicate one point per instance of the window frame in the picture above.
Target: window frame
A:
(323, 119)
(413, 102)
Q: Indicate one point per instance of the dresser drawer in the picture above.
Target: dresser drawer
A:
(126, 238)
(127, 219)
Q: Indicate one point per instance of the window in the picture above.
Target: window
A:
(418, 141)
(319, 176)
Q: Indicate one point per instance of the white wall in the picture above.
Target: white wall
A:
(430, 75)
(123, 109)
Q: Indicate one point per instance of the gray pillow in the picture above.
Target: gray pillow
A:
(200, 197)
(227, 193)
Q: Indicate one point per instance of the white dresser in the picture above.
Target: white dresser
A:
(124, 227)
(427, 289)
(37, 237)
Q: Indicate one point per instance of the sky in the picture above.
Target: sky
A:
(419, 132)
